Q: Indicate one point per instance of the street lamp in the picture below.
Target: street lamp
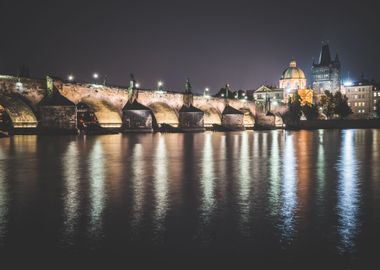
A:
(95, 76)
(206, 92)
(160, 85)
(137, 85)
(70, 78)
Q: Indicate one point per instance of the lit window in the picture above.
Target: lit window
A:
(356, 96)
(363, 104)
(356, 104)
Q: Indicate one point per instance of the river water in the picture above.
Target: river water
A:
(271, 199)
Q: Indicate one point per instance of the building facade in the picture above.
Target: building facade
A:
(362, 97)
(326, 73)
(268, 98)
(292, 79)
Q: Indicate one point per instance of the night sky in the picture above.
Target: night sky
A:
(245, 43)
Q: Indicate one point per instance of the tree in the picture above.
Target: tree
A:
(341, 105)
(327, 104)
(310, 111)
(294, 105)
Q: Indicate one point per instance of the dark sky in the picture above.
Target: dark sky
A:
(246, 43)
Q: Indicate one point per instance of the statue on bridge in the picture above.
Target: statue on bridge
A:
(188, 95)
(132, 90)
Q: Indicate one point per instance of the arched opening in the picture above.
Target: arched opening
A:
(86, 117)
(5, 120)
(16, 116)
(106, 115)
(163, 114)
(211, 116)
(248, 119)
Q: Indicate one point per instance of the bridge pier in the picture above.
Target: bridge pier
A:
(57, 113)
(232, 119)
(191, 119)
(137, 118)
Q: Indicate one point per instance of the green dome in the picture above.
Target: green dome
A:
(293, 72)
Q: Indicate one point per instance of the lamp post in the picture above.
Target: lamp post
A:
(206, 92)
(70, 78)
(160, 85)
(95, 76)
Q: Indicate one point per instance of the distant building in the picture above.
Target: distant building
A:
(268, 98)
(293, 80)
(326, 73)
(362, 97)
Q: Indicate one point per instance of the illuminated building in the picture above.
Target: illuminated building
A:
(326, 73)
(362, 97)
(293, 80)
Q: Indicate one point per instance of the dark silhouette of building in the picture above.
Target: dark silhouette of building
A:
(326, 73)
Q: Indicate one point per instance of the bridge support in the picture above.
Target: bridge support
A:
(57, 113)
(232, 119)
(191, 119)
(136, 118)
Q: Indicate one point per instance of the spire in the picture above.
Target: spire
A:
(293, 63)
(325, 57)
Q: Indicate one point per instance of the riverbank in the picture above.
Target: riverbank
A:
(336, 124)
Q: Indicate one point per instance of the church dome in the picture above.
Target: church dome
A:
(293, 72)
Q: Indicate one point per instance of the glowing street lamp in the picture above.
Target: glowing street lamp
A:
(95, 76)
(206, 92)
(160, 85)
(137, 85)
(70, 78)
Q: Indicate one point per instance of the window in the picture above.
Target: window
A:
(356, 96)
(356, 104)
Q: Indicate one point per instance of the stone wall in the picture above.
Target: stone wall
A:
(233, 121)
(191, 120)
(137, 120)
(56, 118)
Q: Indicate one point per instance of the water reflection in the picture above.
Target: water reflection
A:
(348, 193)
(275, 174)
(3, 196)
(160, 184)
(321, 167)
(244, 180)
(289, 189)
(97, 190)
(207, 179)
(138, 179)
(71, 177)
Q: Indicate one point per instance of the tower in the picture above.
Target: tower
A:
(327, 72)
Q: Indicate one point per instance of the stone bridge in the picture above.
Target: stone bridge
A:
(20, 99)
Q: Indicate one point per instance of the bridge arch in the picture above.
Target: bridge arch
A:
(103, 113)
(249, 118)
(16, 113)
(163, 113)
(211, 115)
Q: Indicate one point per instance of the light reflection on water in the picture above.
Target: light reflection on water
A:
(160, 184)
(348, 192)
(244, 180)
(71, 178)
(97, 189)
(231, 186)
(138, 179)
(3, 196)
(208, 179)
(289, 190)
